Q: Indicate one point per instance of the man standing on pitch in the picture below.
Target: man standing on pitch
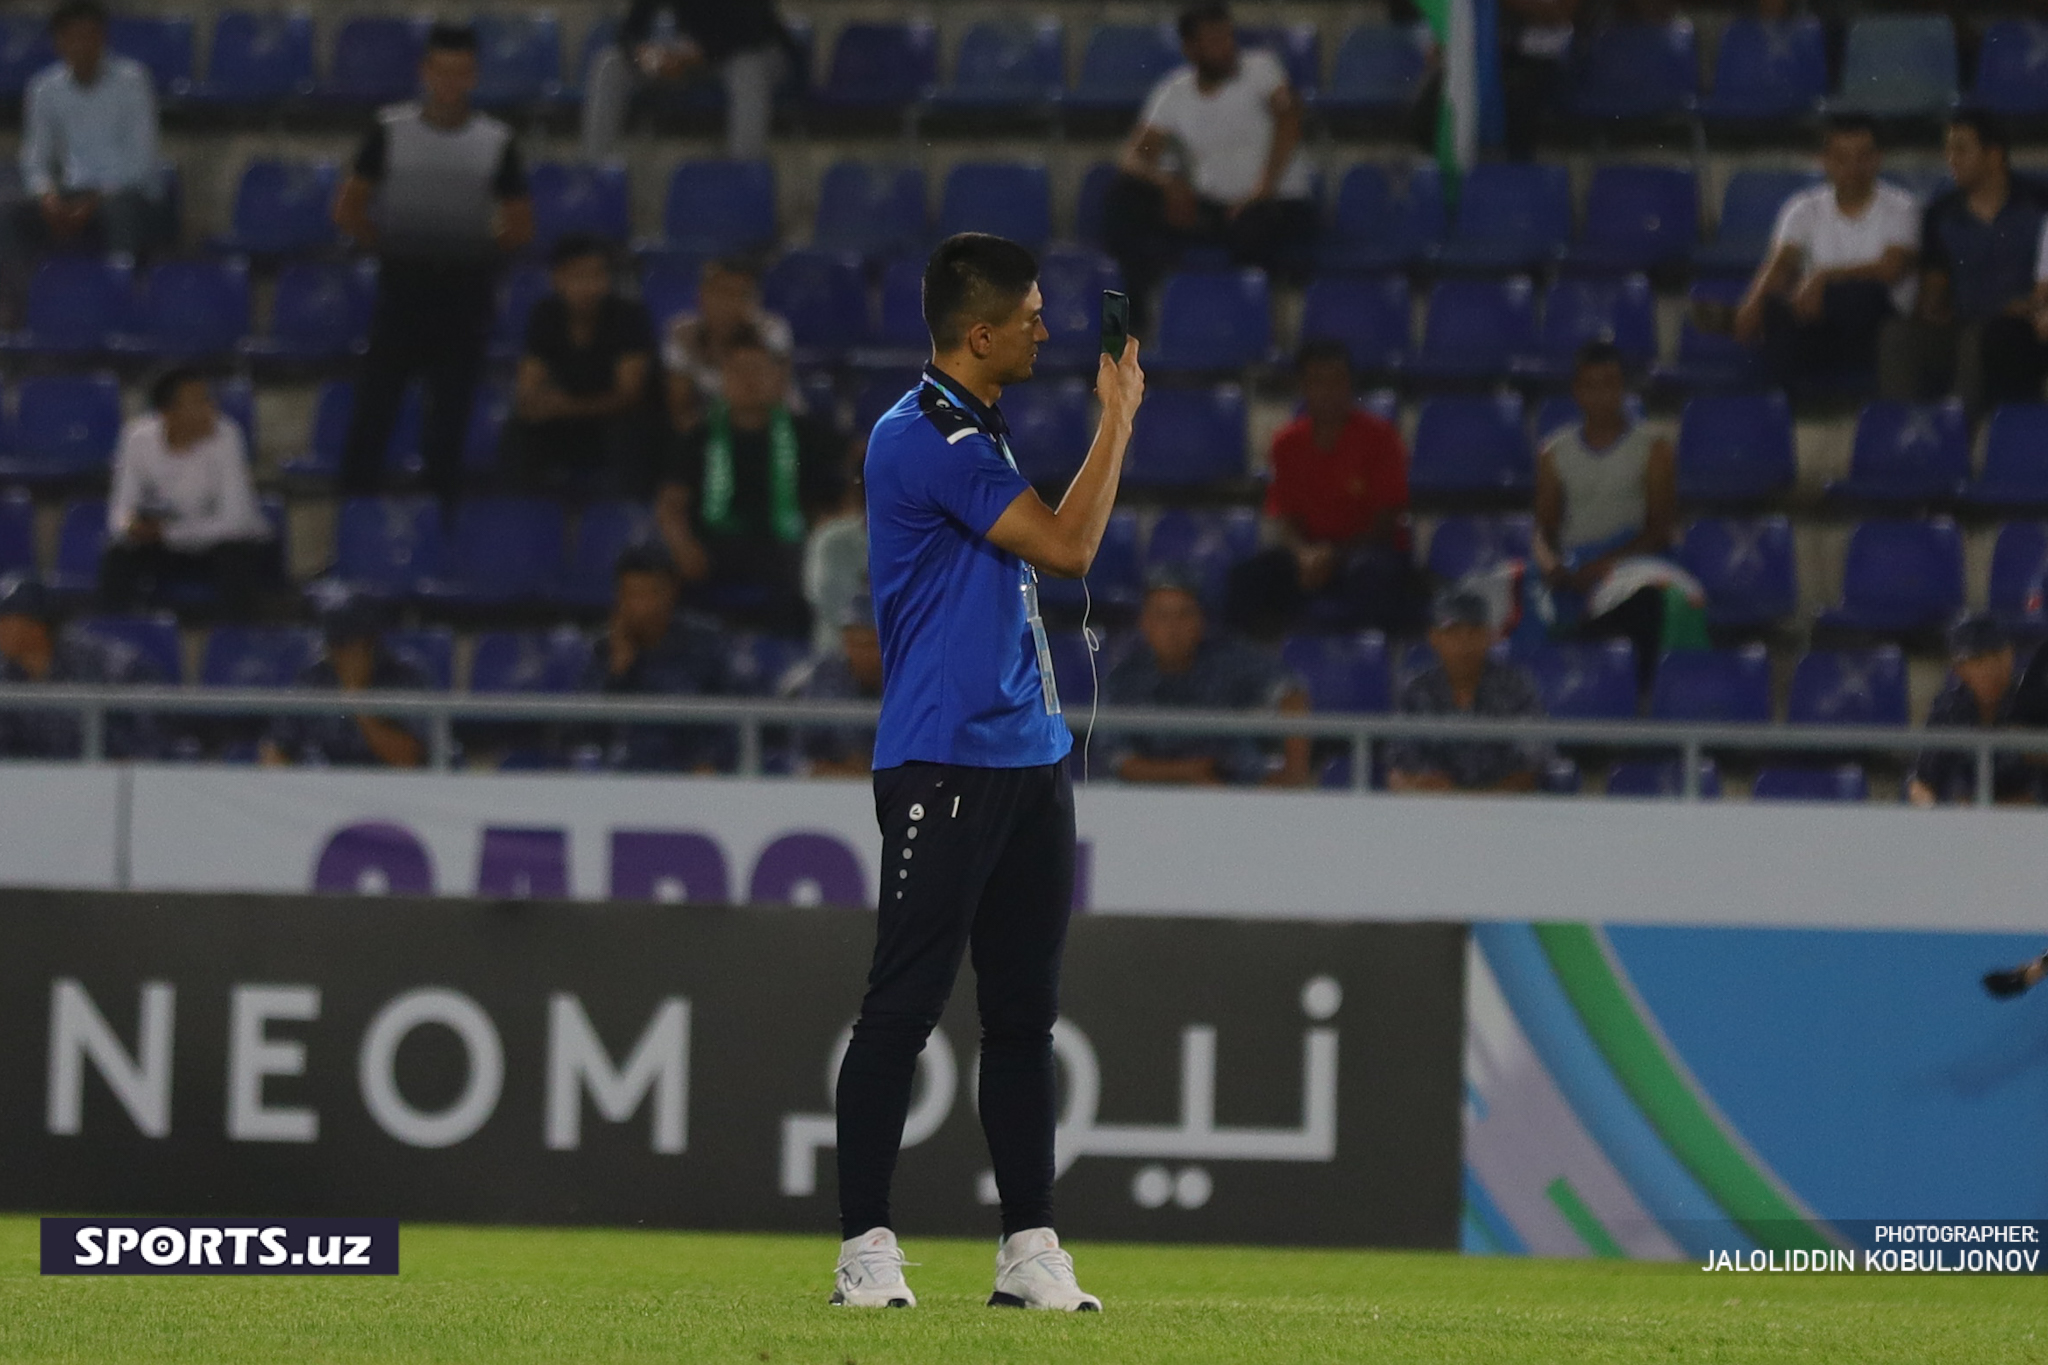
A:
(971, 786)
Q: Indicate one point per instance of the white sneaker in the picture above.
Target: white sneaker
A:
(1032, 1272)
(870, 1273)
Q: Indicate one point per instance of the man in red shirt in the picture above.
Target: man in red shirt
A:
(1336, 516)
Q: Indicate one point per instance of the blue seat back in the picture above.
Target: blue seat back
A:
(1586, 681)
(1621, 311)
(668, 287)
(25, 49)
(1070, 283)
(1089, 202)
(519, 290)
(257, 656)
(1910, 571)
(1369, 314)
(151, 639)
(1849, 687)
(1714, 685)
(1013, 198)
(901, 324)
(1479, 327)
(1050, 428)
(81, 539)
(1900, 64)
(1715, 353)
(77, 303)
(196, 307)
(283, 206)
(720, 207)
(162, 43)
(2012, 68)
(389, 545)
(1634, 70)
(509, 548)
(429, 650)
(823, 297)
(2019, 566)
(1298, 46)
(1844, 782)
(17, 532)
(519, 57)
(1652, 213)
(1767, 70)
(1122, 62)
(883, 64)
(1735, 446)
(259, 57)
(759, 662)
(879, 392)
(1189, 436)
(604, 532)
(1379, 66)
(323, 307)
(570, 196)
(68, 423)
(1467, 545)
(1204, 546)
(875, 210)
(1343, 673)
(1912, 448)
(1751, 202)
(529, 661)
(1471, 444)
(1214, 320)
(2016, 448)
(376, 59)
(1746, 567)
(1010, 60)
(1649, 778)
(1520, 204)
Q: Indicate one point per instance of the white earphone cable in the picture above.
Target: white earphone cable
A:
(1094, 682)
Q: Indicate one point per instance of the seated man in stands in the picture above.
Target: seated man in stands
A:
(694, 345)
(1466, 680)
(1215, 161)
(1840, 266)
(1983, 692)
(583, 419)
(355, 660)
(1972, 329)
(183, 507)
(33, 650)
(741, 489)
(1336, 515)
(1180, 663)
(89, 163)
(649, 648)
(851, 672)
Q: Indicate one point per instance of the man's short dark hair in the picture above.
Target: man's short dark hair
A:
(77, 12)
(974, 277)
(1321, 351)
(646, 557)
(574, 246)
(1596, 352)
(451, 37)
(1848, 125)
(163, 390)
(1194, 17)
(1993, 135)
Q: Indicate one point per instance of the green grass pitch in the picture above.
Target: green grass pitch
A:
(562, 1295)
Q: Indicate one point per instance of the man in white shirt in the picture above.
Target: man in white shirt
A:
(1215, 161)
(88, 148)
(183, 508)
(1840, 266)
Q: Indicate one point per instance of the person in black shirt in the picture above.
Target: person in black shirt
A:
(741, 490)
(649, 648)
(581, 407)
(676, 40)
(1984, 691)
(355, 661)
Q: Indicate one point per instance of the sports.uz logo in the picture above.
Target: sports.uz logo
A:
(220, 1246)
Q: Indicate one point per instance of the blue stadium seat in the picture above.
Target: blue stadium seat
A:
(758, 663)
(2012, 68)
(1900, 576)
(504, 550)
(1376, 229)
(319, 311)
(376, 59)
(1665, 779)
(518, 291)
(1746, 566)
(1204, 545)
(77, 304)
(1189, 436)
(717, 208)
(429, 649)
(1511, 216)
(1016, 64)
(1711, 360)
(1768, 70)
(1637, 218)
(1071, 283)
(1089, 202)
(1714, 685)
(1213, 320)
(1369, 314)
(824, 298)
(668, 285)
(1050, 427)
(1121, 64)
(1622, 311)
(1466, 545)
(1749, 210)
(153, 638)
(488, 413)
(162, 43)
(1115, 579)
(1471, 445)
(2019, 569)
(881, 66)
(191, 309)
(24, 49)
(874, 210)
(17, 532)
(1735, 447)
(1844, 782)
(387, 547)
(1899, 65)
(1298, 46)
(1477, 329)
(332, 411)
(1634, 70)
(1849, 687)
(1586, 682)
(1908, 452)
(879, 392)
(282, 208)
(257, 656)
(1343, 673)
(900, 331)
(570, 196)
(1012, 198)
(604, 532)
(258, 58)
(65, 426)
(81, 537)
(528, 661)
(1073, 674)
(1379, 69)
(519, 58)
(2015, 458)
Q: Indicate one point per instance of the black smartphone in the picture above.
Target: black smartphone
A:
(1116, 323)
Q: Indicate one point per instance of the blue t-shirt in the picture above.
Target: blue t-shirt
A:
(965, 678)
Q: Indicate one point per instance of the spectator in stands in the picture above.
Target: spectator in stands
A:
(850, 671)
(183, 508)
(675, 40)
(33, 650)
(1178, 662)
(1535, 54)
(1983, 692)
(836, 557)
(1466, 680)
(89, 163)
(1972, 329)
(1606, 510)
(741, 489)
(1336, 515)
(355, 660)
(1215, 161)
(582, 415)
(649, 648)
(694, 345)
(437, 189)
(1840, 265)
